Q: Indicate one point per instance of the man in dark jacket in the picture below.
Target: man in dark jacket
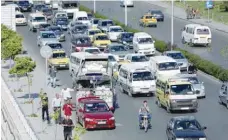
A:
(192, 69)
(44, 103)
(68, 126)
(52, 73)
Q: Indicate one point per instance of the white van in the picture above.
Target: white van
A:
(20, 19)
(196, 34)
(136, 79)
(81, 16)
(164, 66)
(143, 43)
(35, 19)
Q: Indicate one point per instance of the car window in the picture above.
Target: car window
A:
(19, 16)
(186, 125)
(118, 48)
(176, 55)
(139, 58)
(96, 107)
(48, 35)
(55, 46)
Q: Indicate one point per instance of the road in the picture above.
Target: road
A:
(163, 31)
(210, 113)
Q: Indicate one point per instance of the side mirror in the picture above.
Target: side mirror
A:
(204, 128)
(112, 109)
(80, 110)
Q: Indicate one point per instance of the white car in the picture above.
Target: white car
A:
(93, 50)
(128, 3)
(20, 19)
(137, 58)
(114, 32)
(94, 22)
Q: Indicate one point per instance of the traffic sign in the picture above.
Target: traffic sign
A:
(46, 52)
(209, 4)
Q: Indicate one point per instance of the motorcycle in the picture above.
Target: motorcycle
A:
(145, 123)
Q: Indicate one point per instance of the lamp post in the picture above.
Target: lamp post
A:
(172, 24)
(125, 8)
(94, 6)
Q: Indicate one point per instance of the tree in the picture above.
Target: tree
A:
(79, 131)
(11, 43)
(24, 65)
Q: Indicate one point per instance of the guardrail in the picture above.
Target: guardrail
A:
(14, 125)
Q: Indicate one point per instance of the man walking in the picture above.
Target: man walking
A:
(44, 102)
(65, 93)
(67, 108)
(52, 73)
(56, 105)
(68, 126)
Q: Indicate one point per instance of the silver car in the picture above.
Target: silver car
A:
(180, 58)
(117, 49)
(198, 86)
(45, 37)
(103, 24)
(223, 95)
(58, 32)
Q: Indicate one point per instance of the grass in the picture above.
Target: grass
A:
(215, 14)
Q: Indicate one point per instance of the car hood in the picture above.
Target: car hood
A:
(99, 115)
(120, 53)
(46, 40)
(197, 86)
(181, 60)
(189, 134)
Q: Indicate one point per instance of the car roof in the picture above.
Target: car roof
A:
(132, 67)
(53, 42)
(80, 36)
(162, 59)
(115, 44)
(172, 51)
(179, 118)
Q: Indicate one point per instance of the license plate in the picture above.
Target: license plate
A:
(62, 65)
(101, 122)
(146, 52)
(184, 108)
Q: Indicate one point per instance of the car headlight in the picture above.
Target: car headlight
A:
(112, 118)
(202, 138)
(202, 87)
(88, 119)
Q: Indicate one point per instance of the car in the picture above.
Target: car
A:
(43, 26)
(24, 6)
(136, 58)
(38, 7)
(34, 21)
(45, 36)
(101, 41)
(185, 128)
(57, 15)
(126, 38)
(93, 31)
(198, 86)
(54, 45)
(223, 95)
(117, 49)
(113, 32)
(157, 14)
(72, 24)
(79, 41)
(78, 29)
(58, 32)
(92, 50)
(47, 12)
(90, 16)
(58, 59)
(62, 23)
(148, 20)
(182, 61)
(103, 24)
(20, 19)
(94, 113)
(94, 22)
(128, 3)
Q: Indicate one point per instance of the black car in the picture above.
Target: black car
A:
(48, 13)
(185, 127)
(44, 26)
(58, 32)
(126, 38)
(62, 22)
(38, 7)
(78, 29)
(157, 14)
(24, 6)
(54, 45)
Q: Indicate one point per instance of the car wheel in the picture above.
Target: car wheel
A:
(191, 44)
(183, 41)
(129, 93)
(219, 101)
(167, 108)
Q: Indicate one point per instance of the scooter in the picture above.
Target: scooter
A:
(145, 123)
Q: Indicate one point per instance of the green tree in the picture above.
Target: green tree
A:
(24, 65)
(79, 131)
(11, 43)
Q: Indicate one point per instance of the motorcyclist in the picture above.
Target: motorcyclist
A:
(192, 69)
(144, 110)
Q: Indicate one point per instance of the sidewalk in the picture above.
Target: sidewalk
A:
(41, 129)
(181, 14)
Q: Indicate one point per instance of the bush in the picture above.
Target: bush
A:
(161, 46)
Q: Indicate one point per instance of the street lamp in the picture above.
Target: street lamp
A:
(94, 6)
(172, 24)
(125, 8)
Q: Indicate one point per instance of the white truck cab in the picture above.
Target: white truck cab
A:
(196, 34)
(164, 66)
(81, 16)
(114, 31)
(35, 19)
(136, 79)
(143, 43)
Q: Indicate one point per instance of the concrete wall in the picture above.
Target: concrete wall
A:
(8, 16)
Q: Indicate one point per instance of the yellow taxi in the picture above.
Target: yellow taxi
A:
(92, 32)
(116, 67)
(59, 59)
(148, 20)
(101, 41)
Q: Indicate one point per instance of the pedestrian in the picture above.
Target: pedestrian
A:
(52, 73)
(192, 69)
(56, 105)
(44, 102)
(65, 93)
(67, 108)
(68, 126)
(188, 12)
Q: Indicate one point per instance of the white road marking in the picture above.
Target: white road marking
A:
(118, 124)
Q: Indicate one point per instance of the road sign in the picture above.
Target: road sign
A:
(46, 52)
(209, 4)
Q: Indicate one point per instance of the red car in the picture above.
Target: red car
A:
(80, 41)
(94, 113)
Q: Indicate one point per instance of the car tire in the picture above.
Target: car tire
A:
(167, 108)
(191, 44)
(183, 40)
(129, 93)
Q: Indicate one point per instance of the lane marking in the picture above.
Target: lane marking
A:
(118, 124)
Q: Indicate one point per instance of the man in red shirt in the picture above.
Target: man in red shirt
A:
(67, 108)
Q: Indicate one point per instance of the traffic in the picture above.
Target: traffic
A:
(104, 61)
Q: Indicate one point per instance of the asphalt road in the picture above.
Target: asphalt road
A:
(113, 10)
(210, 113)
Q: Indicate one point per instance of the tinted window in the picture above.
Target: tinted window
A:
(39, 19)
(149, 17)
(181, 89)
(139, 58)
(94, 51)
(176, 55)
(44, 25)
(95, 21)
(142, 76)
(59, 55)
(116, 30)
(187, 124)
(127, 35)
(145, 40)
(107, 23)
(55, 28)
(70, 5)
(102, 37)
(202, 31)
(82, 40)
(48, 35)
(82, 18)
(168, 66)
(19, 16)
(118, 48)
(55, 46)
(93, 32)
(96, 107)
(23, 3)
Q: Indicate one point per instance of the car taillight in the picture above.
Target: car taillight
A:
(77, 49)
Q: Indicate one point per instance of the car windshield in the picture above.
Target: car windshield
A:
(93, 32)
(102, 37)
(93, 51)
(202, 31)
(82, 18)
(59, 55)
(142, 76)
(39, 19)
(107, 23)
(44, 25)
(187, 125)
(40, 6)
(111, 58)
(139, 58)
(149, 17)
(95, 21)
(80, 28)
(176, 55)
(56, 29)
(96, 107)
(70, 5)
(181, 89)
(156, 12)
(101, 62)
(61, 15)
(84, 40)
(62, 19)
(194, 80)
(60, 22)
(47, 10)
(116, 30)
(118, 48)
(55, 46)
(168, 66)
(20, 16)
(145, 40)
(23, 3)
(89, 15)
(48, 35)
(128, 35)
